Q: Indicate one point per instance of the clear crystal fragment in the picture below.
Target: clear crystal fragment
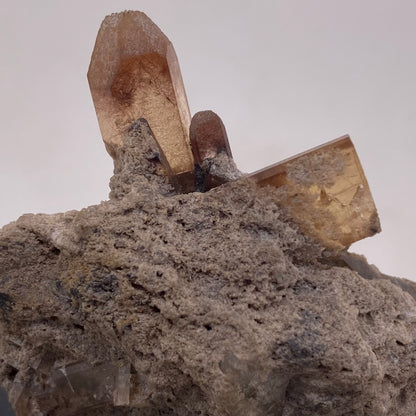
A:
(69, 390)
(326, 193)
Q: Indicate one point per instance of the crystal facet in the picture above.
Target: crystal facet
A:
(326, 193)
(134, 73)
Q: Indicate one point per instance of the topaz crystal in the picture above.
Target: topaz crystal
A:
(326, 193)
(208, 136)
(134, 73)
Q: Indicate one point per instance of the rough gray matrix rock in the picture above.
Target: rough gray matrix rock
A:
(221, 306)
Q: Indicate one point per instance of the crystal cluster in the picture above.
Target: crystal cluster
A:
(134, 73)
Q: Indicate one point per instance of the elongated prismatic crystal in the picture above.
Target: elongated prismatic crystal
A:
(134, 73)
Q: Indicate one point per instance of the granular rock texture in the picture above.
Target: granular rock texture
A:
(220, 305)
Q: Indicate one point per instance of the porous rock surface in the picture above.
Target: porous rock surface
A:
(221, 306)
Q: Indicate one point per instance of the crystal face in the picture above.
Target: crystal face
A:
(326, 192)
(134, 73)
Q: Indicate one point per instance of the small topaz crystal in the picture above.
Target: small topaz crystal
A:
(326, 193)
(208, 136)
(211, 151)
(134, 73)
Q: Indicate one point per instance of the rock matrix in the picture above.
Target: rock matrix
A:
(157, 303)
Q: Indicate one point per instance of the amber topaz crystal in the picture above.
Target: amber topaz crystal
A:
(134, 73)
(326, 193)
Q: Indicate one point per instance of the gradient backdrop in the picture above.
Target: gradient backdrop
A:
(284, 75)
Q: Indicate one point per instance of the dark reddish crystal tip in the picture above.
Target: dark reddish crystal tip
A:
(208, 136)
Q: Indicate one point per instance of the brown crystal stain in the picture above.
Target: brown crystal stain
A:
(326, 193)
(134, 73)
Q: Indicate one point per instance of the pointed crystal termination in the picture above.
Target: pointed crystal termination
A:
(326, 193)
(134, 73)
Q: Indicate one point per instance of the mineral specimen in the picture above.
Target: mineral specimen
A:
(237, 301)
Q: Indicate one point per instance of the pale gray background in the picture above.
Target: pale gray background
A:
(284, 75)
